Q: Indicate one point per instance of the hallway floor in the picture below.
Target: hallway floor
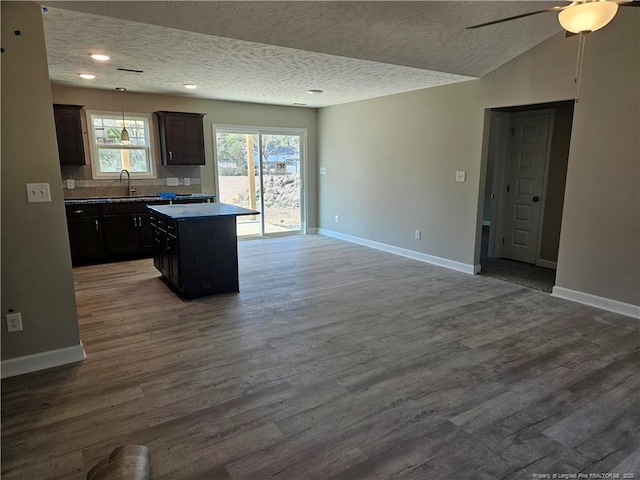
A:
(525, 274)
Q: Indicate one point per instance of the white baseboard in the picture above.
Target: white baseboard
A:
(598, 302)
(422, 257)
(547, 264)
(42, 361)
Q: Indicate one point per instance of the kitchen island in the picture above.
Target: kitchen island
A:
(196, 247)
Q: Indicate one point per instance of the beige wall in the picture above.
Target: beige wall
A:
(556, 181)
(391, 166)
(391, 161)
(37, 278)
(217, 112)
(600, 240)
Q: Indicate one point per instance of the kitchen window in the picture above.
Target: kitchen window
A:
(110, 154)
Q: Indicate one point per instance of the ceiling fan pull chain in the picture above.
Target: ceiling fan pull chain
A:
(578, 76)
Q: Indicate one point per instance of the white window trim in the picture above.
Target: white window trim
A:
(93, 146)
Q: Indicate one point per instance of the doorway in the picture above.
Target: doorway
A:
(262, 169)
(526, 167)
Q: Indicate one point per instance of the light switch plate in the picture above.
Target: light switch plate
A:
(38, 192)
(461, 176)
(172, 182)
(187, 181)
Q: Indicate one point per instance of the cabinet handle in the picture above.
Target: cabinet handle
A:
(78, 211)
(170, 155)
(97, 225)
(135, 221)
(139, 221)
(167, 247)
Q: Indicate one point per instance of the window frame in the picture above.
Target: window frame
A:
(96, 173)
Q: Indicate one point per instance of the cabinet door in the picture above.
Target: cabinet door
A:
(158, 249)
(174, 261)
(121, 234)
(69, 133)
(181, 138)
(145, 233)
(85, 239)
(165, 260)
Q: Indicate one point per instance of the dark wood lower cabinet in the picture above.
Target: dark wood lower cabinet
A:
(105, 232)
(166, 253)
(85, 239)
(145, 234)
(121, 234)
(128, 234)
(85, 227)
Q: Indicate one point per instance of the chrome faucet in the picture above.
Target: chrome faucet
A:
(130, 191)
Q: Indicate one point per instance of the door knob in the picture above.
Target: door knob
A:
(536, 199)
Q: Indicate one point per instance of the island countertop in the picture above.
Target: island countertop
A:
(201, 210)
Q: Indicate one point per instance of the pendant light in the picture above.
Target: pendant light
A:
(124, 135)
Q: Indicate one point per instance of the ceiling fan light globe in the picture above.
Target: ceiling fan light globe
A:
(587, 17)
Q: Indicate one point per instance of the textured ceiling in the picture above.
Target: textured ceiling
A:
(272, 52)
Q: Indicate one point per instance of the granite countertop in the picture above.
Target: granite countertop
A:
(150, 198)
(201, 210)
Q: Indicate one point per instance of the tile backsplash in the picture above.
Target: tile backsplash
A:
(86, 186)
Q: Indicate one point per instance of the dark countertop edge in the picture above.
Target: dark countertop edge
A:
(86, 201)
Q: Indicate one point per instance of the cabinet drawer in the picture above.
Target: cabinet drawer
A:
(84, 210)
(160, 222)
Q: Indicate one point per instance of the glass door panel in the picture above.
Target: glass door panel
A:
(238, 163)
(281, 185)
(261, 170)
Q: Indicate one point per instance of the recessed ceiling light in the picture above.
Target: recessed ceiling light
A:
(300, 104)
(100, 57)
(87, 76)
(190, 86)
(314, 92)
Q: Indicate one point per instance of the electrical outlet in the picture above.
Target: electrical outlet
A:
(187, 181)
(461, 176)
(14, 322)
(418, 234)
(337, 219)
(38, 192)
(172, 182)
(323, 170)
(71, 184)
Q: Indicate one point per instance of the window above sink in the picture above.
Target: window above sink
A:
(110, 154)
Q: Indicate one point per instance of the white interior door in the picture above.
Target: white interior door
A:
(529, 156)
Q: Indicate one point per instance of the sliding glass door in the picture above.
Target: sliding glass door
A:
(262, 169)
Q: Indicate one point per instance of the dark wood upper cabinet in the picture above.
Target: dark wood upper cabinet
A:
(69, 133)
(181, 138)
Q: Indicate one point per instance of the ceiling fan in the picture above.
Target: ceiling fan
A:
(578, 16)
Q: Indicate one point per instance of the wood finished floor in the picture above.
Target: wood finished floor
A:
(334, 362)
